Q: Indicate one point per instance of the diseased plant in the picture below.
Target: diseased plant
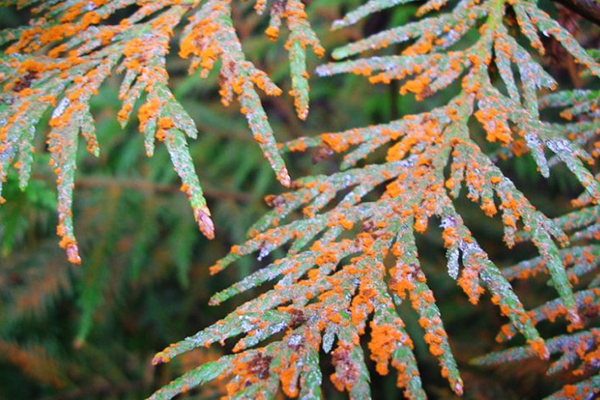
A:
(66, 53)
(579, 350)
(349, 256)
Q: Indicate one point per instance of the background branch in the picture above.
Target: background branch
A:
(589, 9)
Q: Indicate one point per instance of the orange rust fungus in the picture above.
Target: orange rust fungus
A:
(346, 373)
(424, 143)
(164, 125)
(299, 146)
(335, 142)
(384, 340)
(493, 120)
(147, 111)
(272, 33)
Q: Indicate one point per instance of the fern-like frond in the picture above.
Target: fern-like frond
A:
(337, 276)
(579, 351)
(35, 362)
(69, 49)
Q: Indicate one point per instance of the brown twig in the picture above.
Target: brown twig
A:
(589, 9)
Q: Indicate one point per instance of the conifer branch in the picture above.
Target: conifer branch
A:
(333, 278)
(589, 9)
(346, 242)
(68, 50)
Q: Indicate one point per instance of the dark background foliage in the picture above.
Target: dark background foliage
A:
(90, 331)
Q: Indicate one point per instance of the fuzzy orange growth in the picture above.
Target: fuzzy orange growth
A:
(249, 372)
(317, 246)
(494, 123)
(361, 308)
(453, 114)
(339, 219)
(106, 35)
(506, 332)
(423, 46)
(334, 317)
(367, 71)
(298, 146)
(72, 13)
(422, 300)
(434, 341)
(539, 347)
(132, 52)
(450, 236)
(148, 111)
(570, 391)
(262, 81)
(200, 43)
(595, 152)
(589, 257)
(346, 373)
(289, 377)
(488, 207)
(403, 279)
(162, 357)
(384, 340)
(519, 147)
(71, 249)
(329, 256)
(335, 142)
(238, 85)
(365, 240)
(589, 360)
(399, 150)
(395, 188)
(272, 33)
(164, 125)
(469, 282)
(347, 224)
(512, 207)
(56, 51)
(318, 50)
(123, 114)
(216, 268)
(65, 117)
(416, 86)
(92, 145)
(420, 224)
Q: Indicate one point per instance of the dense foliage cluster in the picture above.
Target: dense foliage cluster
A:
(343, 245)
(79, 53)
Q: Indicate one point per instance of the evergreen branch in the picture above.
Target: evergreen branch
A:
(62, 58)
(332, 278)
(589, 9)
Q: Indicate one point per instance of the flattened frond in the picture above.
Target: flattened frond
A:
(334, 278)
(67, 52)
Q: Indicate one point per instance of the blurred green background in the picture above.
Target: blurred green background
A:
(89, 332)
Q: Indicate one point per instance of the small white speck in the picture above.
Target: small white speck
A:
(60, 109)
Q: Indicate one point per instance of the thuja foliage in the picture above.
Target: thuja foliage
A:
(348, 239)
(351, 260)
(60, 60)
(578, 351)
